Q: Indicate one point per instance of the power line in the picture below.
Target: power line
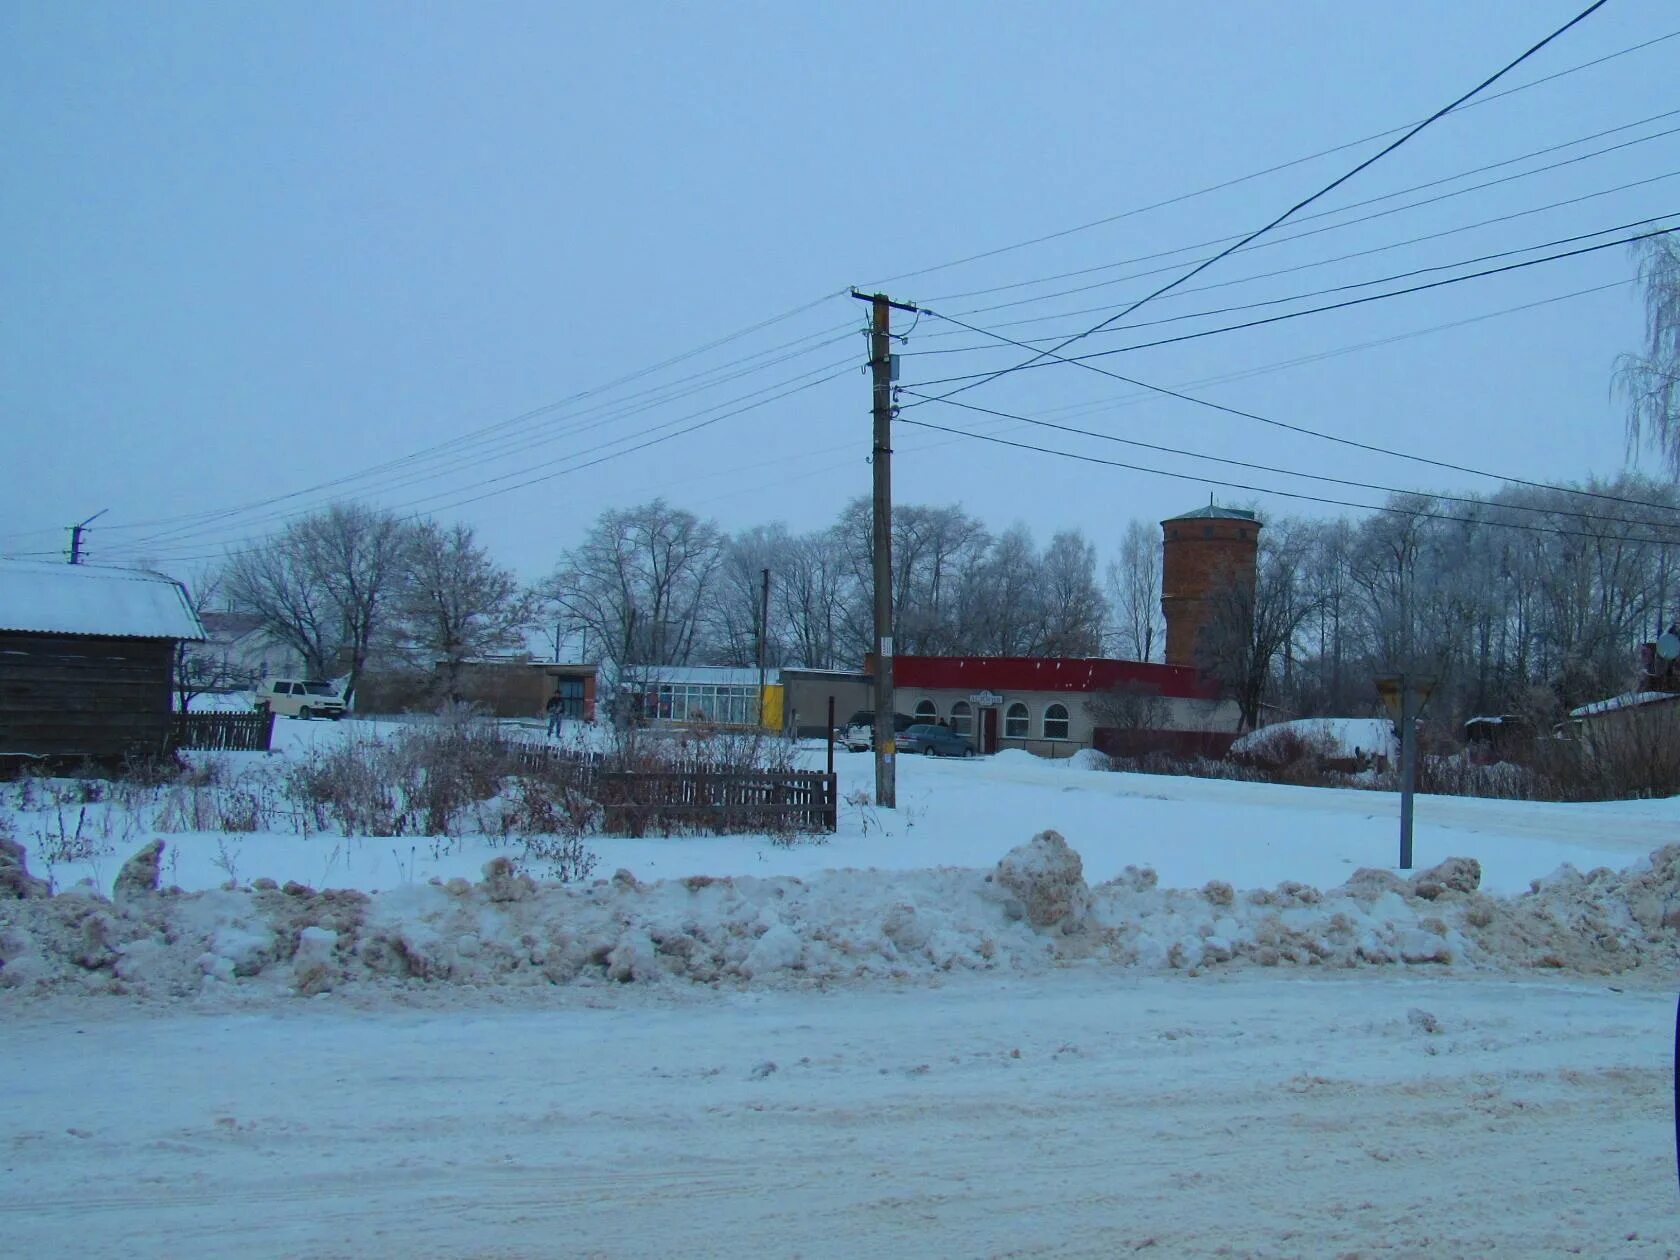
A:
(1308, 200)
(550, 476)
(1313, 293)
(1302, 429)
(1331, 213)
(1286, 494)
(1324, 477)
(1332, 227)
(1180, 198)
(1053, 356)
(509, 446)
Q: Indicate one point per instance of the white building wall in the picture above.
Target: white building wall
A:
(1170, 714)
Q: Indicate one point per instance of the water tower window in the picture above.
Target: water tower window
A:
(1207, 531)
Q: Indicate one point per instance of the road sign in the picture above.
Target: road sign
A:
(1392, 687)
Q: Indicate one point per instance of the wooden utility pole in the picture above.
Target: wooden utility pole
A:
(763, 633)
(881, 371)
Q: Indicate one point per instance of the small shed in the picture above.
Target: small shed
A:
(87, 658)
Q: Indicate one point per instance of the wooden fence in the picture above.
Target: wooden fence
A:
(714, 800)
(223, 732)
(634, 802)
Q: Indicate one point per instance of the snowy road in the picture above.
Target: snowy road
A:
(1080, 1114)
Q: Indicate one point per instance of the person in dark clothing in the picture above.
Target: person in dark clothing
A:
(556, 709)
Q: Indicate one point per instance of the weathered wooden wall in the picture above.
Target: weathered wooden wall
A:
(70, 696)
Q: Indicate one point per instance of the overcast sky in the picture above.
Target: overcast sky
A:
(252, 249)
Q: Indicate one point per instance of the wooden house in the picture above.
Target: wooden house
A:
(87, 655)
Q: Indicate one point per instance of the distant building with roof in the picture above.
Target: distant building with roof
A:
(87, 659)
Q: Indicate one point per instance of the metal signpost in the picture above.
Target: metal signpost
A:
(1405, 695)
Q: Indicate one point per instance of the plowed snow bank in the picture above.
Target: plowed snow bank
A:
(1032, 911)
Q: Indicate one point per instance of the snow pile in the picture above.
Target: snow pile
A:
(1336, 737)
(1033, 911)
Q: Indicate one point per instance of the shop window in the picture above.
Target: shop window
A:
(962, 718)
(925, 712)
(1056, 722)
(1015, 721)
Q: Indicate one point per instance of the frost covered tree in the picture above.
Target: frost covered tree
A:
(1134, 592)
(1650, 380)
(640, 582)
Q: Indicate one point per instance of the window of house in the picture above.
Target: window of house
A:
(1015, 721)
(925, 712)
(962, 718)
(1056, 722)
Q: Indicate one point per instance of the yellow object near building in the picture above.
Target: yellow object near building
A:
(772, 712)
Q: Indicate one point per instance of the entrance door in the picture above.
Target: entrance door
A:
(988, 730)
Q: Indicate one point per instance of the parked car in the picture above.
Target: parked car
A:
(858, 734)
(290, 697)
(934, 741)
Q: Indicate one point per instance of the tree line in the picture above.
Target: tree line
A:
(1525, 601)
(1528, 600)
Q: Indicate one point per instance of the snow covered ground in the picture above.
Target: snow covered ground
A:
(1208, 1037)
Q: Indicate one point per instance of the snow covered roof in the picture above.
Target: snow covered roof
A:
(1628, 700)
(717, 675)
(41, 598)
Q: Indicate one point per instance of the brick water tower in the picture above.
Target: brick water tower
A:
(1202, 553)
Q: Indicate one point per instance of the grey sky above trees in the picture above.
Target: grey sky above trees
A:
(262, 259)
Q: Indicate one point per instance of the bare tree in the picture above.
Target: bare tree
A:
(1250, 625)
(197, 668)
(1128, 707)
(810, 592)
(322, 584)
(639, 582)
(455, 602)
(1650, 380)
(1134, 591)
(1072, 602)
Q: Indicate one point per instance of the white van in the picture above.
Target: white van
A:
(289, 697)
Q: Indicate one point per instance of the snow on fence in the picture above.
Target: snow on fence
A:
(222, 732)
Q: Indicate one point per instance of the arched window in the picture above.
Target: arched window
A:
(962, 718)
(1056, 722)
(925, 711)
(1015, 721)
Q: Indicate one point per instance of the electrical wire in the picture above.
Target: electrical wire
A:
(1295, 297)
(1305, 201)
(1285, 494)
(1315, 433)
(1325, 477)
(459, 440)
(1333, 212)
(1049, 358)
(1181, 198)
(549, 476)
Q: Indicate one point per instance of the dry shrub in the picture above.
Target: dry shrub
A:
(1292, 756)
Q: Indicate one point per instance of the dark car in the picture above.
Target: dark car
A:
(934, 741)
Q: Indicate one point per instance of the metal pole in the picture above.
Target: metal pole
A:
(831, 734)
(1408, 766)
